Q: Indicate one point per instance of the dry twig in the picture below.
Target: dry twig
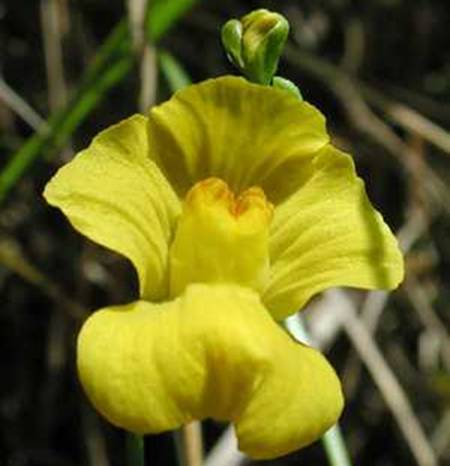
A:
(383, 377)
(421, 303)
(192, 443)
(53, 21)
(19, 106)
(347, 90)
(144, 52)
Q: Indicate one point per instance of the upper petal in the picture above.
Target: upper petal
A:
(246, 134)
(115, 195)
(213, 352)
(328, 234)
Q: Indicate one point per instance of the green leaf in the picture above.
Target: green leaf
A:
(111, 64)
(99, 78)
(173, 71)
(162, 15)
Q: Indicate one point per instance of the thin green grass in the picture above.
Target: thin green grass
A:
(173, 72)
(135, 449)
(111, 65)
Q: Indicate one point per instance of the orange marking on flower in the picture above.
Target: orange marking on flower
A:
(214, 190)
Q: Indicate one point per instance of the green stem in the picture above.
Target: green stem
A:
(173, 71)
(135, 450)
(335, 447)
(178, 442)
(333, 441)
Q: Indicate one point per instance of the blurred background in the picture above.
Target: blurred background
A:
(379, 70)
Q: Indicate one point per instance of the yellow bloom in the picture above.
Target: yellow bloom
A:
(234, 209)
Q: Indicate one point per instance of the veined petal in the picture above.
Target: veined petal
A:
(115, 195)
(328, 234)
(213, 352)
(295, 405)
(246, 134)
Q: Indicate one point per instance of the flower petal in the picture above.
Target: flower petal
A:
(246, 134)
(213, 352)
(294, 406)
(115, 195)
(328, 234)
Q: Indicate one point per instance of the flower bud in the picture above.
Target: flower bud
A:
(287, 85)
(232, 41)
(255, 42)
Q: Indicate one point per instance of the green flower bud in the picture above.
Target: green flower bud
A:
(285, 84)
(255, 43)
(232, 41)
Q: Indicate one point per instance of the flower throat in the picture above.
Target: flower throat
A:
(221, 237)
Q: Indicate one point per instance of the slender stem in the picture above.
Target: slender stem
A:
(335, 447)
(333, 441)
(191, 435)
(52, 19)
(179, 449)
(135, 450)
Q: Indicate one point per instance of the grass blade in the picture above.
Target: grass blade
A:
(111, 64)
(173, 71)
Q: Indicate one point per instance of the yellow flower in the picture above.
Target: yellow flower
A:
(235, 210)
